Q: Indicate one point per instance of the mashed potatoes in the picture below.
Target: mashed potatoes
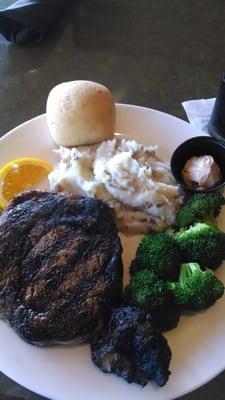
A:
(129, 176)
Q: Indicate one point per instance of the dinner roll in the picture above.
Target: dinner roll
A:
(80, 113)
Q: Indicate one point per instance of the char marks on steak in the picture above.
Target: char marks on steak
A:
(131, 347)
(60, 266)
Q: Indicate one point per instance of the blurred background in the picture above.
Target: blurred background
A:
(153, 53)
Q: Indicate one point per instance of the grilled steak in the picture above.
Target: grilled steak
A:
(60, 266)
(131, 347)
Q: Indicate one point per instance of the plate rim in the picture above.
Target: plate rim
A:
(119, 105)
(11, 132)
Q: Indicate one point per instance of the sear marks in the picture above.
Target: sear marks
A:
(60, 266)
(132, 348)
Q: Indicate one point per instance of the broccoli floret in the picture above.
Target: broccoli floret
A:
(152, 294)
(202, 243)
(159, 253)
(201, 207)
(196, 289)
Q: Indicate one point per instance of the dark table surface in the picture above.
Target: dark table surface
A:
(154, 53)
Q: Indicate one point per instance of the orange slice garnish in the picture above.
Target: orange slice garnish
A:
(20, 175)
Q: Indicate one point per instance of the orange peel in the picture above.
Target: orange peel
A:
(19, 175)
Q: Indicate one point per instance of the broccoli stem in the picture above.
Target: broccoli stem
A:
(187, 270)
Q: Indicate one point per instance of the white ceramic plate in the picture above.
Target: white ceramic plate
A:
(67, 373)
